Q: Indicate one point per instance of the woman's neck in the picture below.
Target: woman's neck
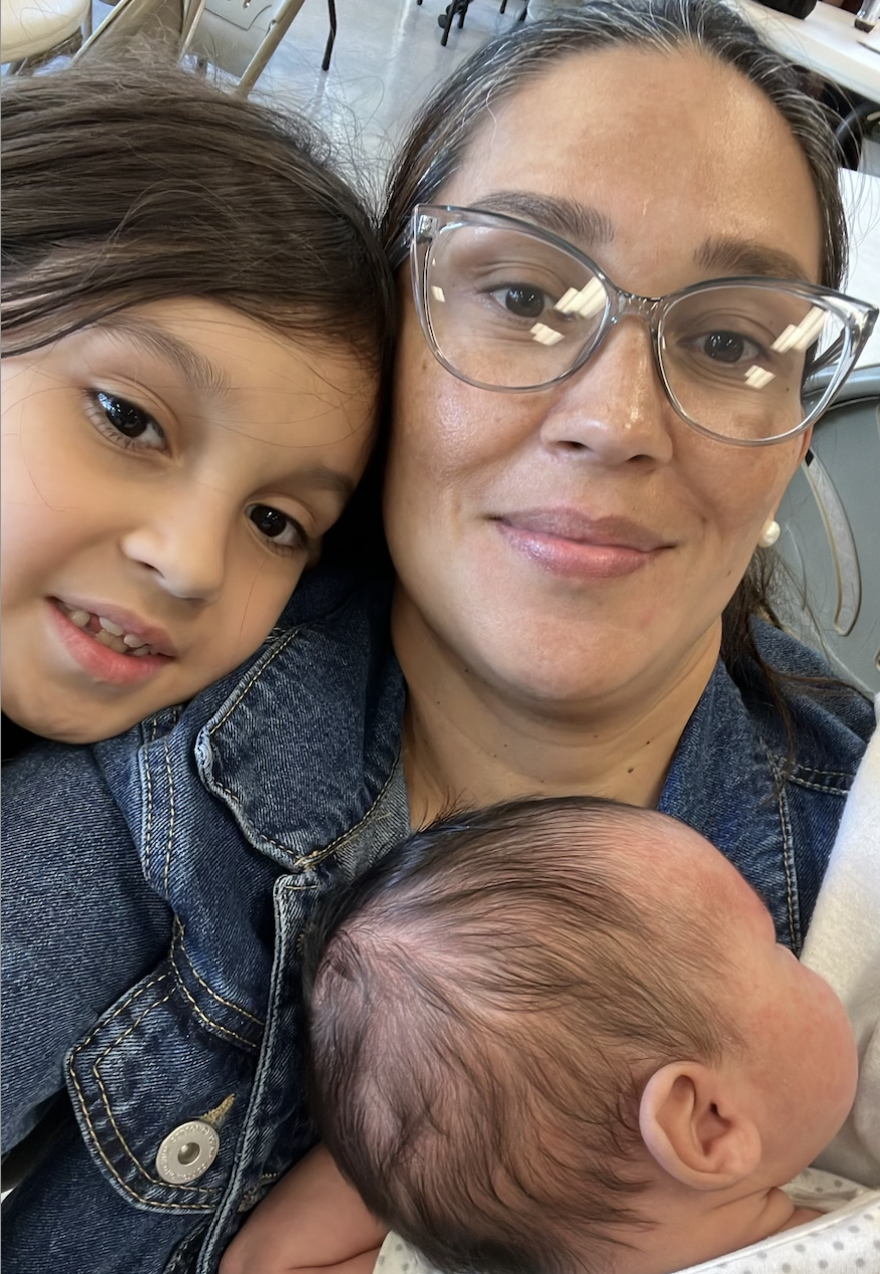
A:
(467, 742)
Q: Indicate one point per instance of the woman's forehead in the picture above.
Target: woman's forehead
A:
(639, 134)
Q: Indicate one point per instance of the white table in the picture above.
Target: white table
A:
(825, 41)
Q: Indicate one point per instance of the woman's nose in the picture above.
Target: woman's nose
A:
(183, 540)
(614, 408)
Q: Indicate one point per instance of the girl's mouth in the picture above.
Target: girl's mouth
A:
(106, 633)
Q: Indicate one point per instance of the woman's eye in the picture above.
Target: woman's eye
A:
(282, 530)
(125, 423)
(522, 300)
(728, 347)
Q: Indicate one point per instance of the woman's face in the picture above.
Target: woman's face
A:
(579, 543)
(167, 475)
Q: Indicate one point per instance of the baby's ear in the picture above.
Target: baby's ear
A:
(696, 1124)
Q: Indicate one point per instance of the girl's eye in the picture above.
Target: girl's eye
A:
(126, 424)
(282, 530)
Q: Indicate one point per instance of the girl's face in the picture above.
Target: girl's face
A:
(167, 475)
(579, 543)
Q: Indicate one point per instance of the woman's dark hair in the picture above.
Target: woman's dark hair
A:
(129, 183)
(446, 126)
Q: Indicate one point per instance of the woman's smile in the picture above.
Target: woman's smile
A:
(568, 543)
(618, 532)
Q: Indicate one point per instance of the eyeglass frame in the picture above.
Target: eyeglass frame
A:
(858, 317)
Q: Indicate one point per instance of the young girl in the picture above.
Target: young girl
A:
(195, 319)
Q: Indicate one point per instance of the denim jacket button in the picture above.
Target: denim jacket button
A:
(187, 1152)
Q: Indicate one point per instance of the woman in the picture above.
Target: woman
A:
(564, 554)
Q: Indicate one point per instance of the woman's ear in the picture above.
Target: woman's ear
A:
(696, 1124)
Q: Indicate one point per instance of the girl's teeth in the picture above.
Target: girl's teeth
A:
(110, 634)
(112, 641)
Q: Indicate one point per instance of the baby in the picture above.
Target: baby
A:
(561, 1036)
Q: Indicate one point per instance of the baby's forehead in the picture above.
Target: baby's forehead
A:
(670, 863)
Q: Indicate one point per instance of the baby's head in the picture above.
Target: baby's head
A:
(197, 319)
(537, 1027)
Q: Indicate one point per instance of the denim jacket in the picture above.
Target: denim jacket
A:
(237, 815)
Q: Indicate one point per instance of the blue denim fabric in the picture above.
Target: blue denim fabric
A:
(267, 791)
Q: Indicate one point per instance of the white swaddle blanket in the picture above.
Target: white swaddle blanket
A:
(843, 944)
(846, 1240)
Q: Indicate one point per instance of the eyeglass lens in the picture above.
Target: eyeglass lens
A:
(511, 311)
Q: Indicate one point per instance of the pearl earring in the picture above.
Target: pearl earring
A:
(770, 534)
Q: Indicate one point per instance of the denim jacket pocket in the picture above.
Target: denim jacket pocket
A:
(154, 1064)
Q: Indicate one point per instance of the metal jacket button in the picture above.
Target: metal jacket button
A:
(188, 1152)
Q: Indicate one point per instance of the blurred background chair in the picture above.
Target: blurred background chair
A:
(830, 542)
(237, 37)
(458, 9)
(35, 31)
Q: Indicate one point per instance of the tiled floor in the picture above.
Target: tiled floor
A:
(386, 59)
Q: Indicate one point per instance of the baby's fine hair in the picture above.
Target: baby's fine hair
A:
(485, 1009)
(131, 182)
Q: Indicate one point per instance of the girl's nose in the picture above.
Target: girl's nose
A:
(184, 541)
(614, 409)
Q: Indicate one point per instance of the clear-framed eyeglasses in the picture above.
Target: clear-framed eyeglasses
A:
(508, 306)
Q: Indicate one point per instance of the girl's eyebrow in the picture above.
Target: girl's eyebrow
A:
(198, 371)
(323, 478)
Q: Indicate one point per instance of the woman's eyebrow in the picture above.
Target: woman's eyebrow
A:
(198, 371)
(743, 256)
(566, 217)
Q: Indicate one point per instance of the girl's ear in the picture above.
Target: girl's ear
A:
(695, 1122)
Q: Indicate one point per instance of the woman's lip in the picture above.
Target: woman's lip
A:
(127, 620)
(569, 545)
(580, 528)
(99, 661)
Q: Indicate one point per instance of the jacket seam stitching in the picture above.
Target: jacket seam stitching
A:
(178, 940)
(218, 1026)
(794, 775)
(245, 690)
(148, 848)
(122, 1007)
(188, 1207)
(169, 842)
(84, 1107)
(317, 855)
(819, 787)
(157, 1181)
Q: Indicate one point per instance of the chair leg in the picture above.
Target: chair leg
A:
(331, 38)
